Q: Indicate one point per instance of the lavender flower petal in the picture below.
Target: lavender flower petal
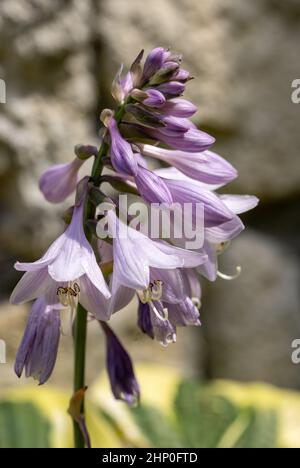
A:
(58, 182)
(144, 320)
(224, 232)
(32, 285)
(205, 167)
(68, 258)
(92, 300)
(121, 154)
(153, 62)
(174, 287)
(155, 98)
(184, 314)
(178, 107)
(172, 88)
(210, 267)
(193, 140)
(152, 188)
(215, 211)
(121, 297)
(134, 254)
(240, 203)
(120, 369)
(163, 330)
(38, 349)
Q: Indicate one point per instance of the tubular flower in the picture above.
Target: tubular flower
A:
(66, 275)
(123, 383)
(38, 350)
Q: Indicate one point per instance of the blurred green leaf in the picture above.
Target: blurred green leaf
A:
(186, 413)
(203, 418)
(156, 427)
(22, 425)
(261, 431)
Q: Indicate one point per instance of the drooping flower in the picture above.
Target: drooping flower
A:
(135, 255)
(38, 350)
(123, 382)
(69, 261)
(121, 87)
(207, 167)
(176, 306)
(217, 237)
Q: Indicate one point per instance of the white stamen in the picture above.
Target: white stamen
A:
(69, 298)
(230, 277)
(164, 317)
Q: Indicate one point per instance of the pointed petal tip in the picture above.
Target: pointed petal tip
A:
(18, 371)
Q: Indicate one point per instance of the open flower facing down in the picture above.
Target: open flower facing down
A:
(38, 350)
(66, 275)
(80, 277)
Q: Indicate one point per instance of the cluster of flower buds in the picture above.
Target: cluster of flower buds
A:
(151, 121)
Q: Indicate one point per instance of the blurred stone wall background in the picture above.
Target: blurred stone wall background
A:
(58, 58)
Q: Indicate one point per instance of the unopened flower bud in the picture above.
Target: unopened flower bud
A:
(136, 70)
(164, 74)
(138, 95)
(121, 87)
(116, 87)
(150, 98)
(58, 182)
(105, 116)
(175, 58)
(84, 152)
(154, 62)
(173, 88)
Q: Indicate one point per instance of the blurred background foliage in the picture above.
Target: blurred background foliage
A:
(58, 59)
(174, 413)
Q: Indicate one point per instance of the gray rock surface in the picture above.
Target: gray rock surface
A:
(250, 323)
(46, 62)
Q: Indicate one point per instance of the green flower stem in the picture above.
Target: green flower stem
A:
(79, 368)
(80, 336)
